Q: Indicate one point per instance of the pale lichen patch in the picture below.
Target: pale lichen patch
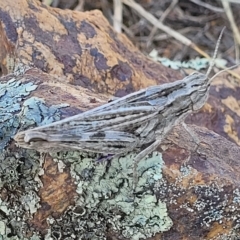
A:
(107, 199)
(17, 173)
(19, 168)
(34, 111)
(11, 93)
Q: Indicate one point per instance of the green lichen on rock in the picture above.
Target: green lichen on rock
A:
(18, 169)
(11, 93)
(196, 64)
(17, 174)
(36, 112)
(108, 201)
(105, 189)
(11, 226)
(33, 111)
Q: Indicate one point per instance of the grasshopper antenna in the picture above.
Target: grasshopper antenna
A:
(226, 69)
(214, 57)
(215, 52)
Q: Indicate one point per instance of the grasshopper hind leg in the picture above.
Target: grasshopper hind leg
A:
(109, 157)
(140, 156)
(193, 135)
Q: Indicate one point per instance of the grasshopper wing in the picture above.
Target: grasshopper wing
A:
(100, 142)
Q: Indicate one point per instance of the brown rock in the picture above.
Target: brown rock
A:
(79, 60)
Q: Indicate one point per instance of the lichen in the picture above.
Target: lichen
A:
(108, 200)
(236, 196)
(11, 93)
(17, 173)
(197, 64)
(34, 110)
(18, 169)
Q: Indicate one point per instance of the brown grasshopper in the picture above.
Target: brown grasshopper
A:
(140, 120)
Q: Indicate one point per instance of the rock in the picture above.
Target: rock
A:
(58, 63)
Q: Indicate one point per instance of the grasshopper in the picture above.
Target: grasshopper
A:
(138, 121)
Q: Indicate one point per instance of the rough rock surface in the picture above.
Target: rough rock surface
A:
(77, 62)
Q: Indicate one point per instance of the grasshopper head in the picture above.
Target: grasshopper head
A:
(201, 82)
(199, 90)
